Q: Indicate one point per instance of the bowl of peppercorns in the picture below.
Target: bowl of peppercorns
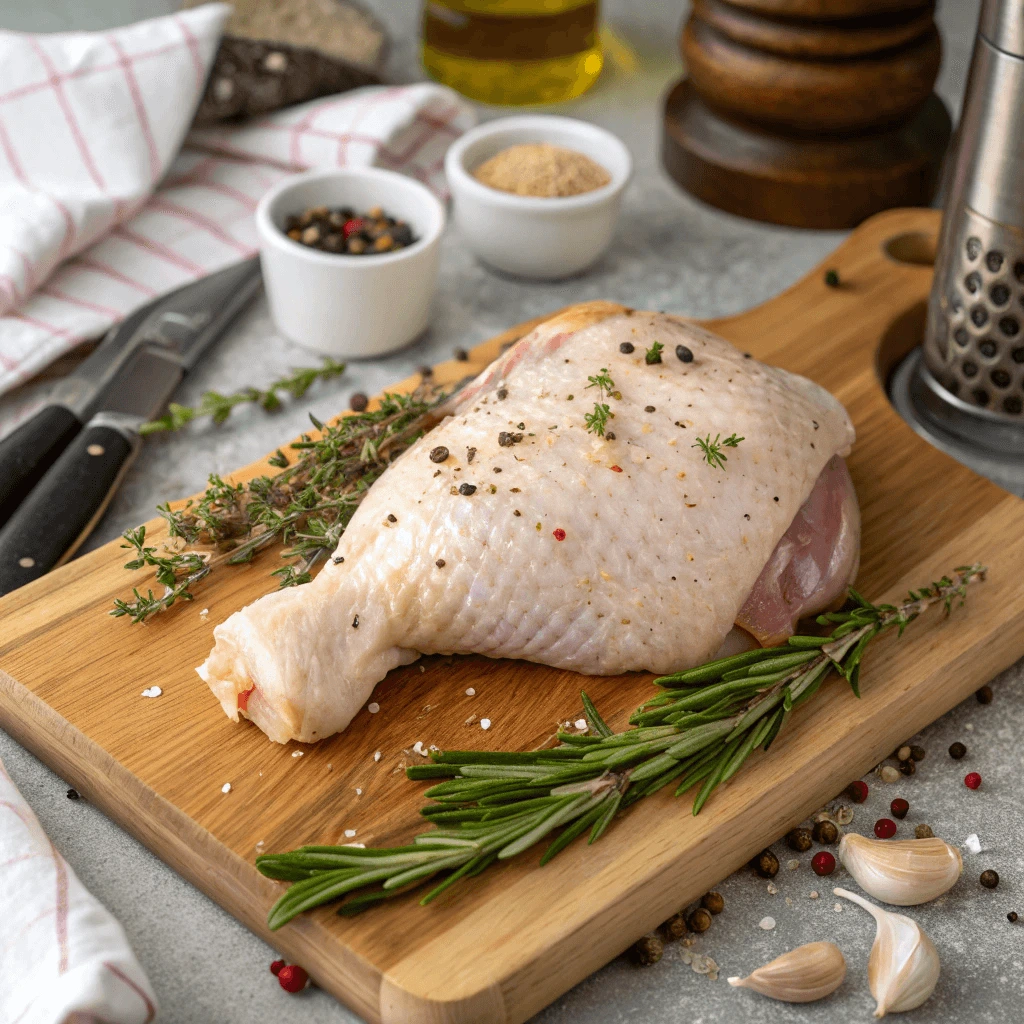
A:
(350, 259)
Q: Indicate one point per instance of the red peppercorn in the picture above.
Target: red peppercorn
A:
(972, 780)
(858, 791)
(355, 224)
(275, 967)
(292, 978)
(885, 828)
(558, 534)
(823, 863)
(899, 808)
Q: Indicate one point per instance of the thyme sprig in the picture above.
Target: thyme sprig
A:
(492, 805)
(597, 421)
(712, 450)
(219, 407)
(653, 354)
(305, 507)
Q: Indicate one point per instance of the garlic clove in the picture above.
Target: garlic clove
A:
(802, 975)
(903, 872)
(903, 968)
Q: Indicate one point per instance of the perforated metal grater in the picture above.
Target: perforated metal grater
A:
(974, 341)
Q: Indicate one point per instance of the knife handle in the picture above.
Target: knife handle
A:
(62, 509)
(28, 452)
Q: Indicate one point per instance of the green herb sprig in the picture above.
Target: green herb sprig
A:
(219, 407)
(597, 421)
(712, 450)
(306, 506)
(653, 354)
(493, 805)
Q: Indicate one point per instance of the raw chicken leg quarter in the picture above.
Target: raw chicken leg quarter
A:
(539, 539)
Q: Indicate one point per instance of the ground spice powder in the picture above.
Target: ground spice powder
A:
(541, 169)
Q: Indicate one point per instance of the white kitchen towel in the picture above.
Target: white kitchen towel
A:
(200, 217)
(63, 957)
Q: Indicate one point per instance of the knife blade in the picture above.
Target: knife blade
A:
(64, 506)
(29, 451)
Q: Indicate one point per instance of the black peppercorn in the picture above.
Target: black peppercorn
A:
(683, 354)
(799, 839)
(957, 751)
(462, 355)
(699, 920)
(674, 928)
(825, 832)
(1012, 917)
(73, 794)
(467, 489)
(626, 347)
(426, 371)
(908, 767)
(713, 902)
(648, 408)
(989, 879)
(392, 518)
(358, 401)
(766, 864)
(440, 563)
(832, 278)
(502, 394)
(438, 454)
(917, 753)
(646, 951)
(984, 695)
(610, 436)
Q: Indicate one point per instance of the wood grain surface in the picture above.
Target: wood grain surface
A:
(502, 946)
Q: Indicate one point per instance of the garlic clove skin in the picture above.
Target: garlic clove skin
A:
(902, 872)
(802, 975)
(903, 968)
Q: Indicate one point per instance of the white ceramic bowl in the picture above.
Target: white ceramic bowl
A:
(350, 306)
(536, 237)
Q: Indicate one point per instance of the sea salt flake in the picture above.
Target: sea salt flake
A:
(838, 908)
(226, 788)
(470, 692)
(361, 846)
(330, 767)
(418, 748)
(792, 865)
(972, 843)
(298, 753)
(772, 889)
(204, 614)
(789, 902)
(359, 792)
(969, 727)
(349, 833)
(813, 894)
(376, 755)
(152, 691)
(485, 723)
(767, 923)
(686, 956)
(581, 724)
(373, 707)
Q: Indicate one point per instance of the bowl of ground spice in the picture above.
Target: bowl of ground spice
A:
(537, 196)
(350, 259)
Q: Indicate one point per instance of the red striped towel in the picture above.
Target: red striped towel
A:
(91, 124)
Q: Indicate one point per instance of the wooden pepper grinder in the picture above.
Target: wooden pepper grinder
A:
(810, 113)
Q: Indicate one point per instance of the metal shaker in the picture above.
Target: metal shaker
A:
(974, 341)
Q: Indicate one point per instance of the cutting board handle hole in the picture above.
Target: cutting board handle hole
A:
(915, 247)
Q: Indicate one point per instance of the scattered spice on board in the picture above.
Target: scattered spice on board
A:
(341, 230)
(647, 951)
(989, 879)
(543, 170)
(957, 751)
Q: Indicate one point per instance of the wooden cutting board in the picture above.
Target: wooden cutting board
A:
(499, 948)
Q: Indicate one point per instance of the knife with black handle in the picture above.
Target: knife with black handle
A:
(65, 504)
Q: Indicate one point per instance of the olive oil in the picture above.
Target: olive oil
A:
(513, 52)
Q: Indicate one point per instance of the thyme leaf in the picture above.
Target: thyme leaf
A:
(597, 420)
(492, 805)
(712, 450)
(219, 407)
(653, 354)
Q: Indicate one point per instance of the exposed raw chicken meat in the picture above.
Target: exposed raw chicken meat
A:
(814, 563)
(600, 555)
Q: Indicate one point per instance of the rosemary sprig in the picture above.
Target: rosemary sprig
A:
(493, 805)
(712, 450)
(306, 506)
(219, 407)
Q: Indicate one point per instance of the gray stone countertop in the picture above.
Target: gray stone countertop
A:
(671, 253)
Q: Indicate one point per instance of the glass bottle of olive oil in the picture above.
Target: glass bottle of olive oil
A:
(513, 52)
